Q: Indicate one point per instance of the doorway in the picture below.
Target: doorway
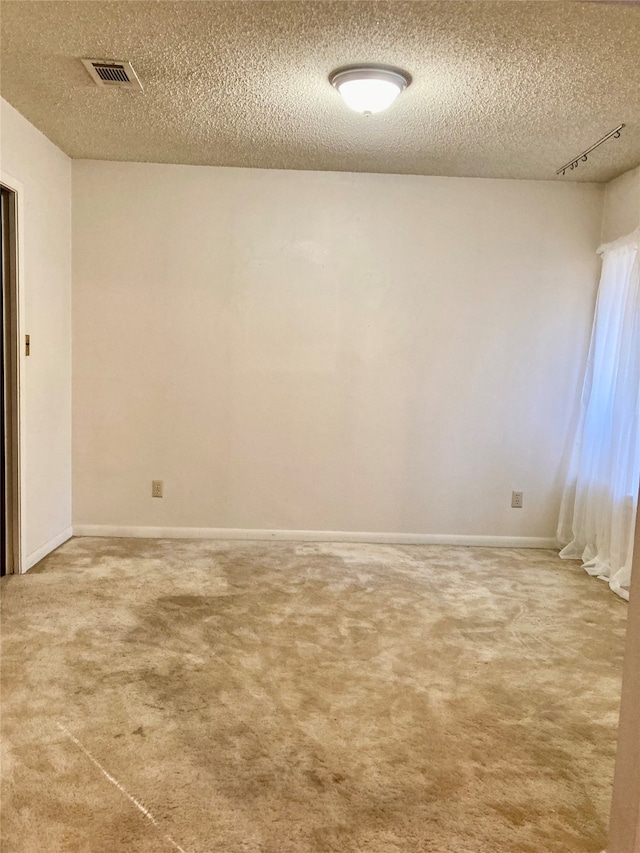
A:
(9, 417)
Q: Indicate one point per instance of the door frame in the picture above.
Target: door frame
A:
(624, 826)
(16, 384)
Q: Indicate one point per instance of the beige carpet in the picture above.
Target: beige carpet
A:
(219, 697)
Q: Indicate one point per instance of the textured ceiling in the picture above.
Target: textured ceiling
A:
(500, 89)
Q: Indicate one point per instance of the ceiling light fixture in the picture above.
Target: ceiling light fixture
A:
(369, 89)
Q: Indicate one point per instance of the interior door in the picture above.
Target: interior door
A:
(9, 425)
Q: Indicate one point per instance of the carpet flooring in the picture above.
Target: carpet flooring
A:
(226, 697)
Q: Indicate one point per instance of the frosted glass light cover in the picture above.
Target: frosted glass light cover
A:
(368, 96)
(369, 90)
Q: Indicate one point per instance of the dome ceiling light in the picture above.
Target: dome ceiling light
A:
(369, 89)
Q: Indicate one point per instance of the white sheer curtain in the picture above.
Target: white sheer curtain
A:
(598, 509)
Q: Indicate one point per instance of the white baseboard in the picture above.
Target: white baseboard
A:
(37, 555)
(311, 536)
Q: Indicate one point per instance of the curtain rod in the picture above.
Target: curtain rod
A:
(574, 163)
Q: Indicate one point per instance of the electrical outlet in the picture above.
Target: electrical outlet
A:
(516, 500)
(156, 488)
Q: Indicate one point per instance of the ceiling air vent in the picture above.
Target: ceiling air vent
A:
(112, 72)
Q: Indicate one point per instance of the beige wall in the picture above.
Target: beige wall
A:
(45, 174)
(621, 206)
(324, 351)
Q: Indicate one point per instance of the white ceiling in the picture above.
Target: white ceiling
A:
(500, 89)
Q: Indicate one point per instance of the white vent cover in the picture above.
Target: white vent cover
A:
(112, 72)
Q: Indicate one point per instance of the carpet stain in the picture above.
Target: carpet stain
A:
(307, 698)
